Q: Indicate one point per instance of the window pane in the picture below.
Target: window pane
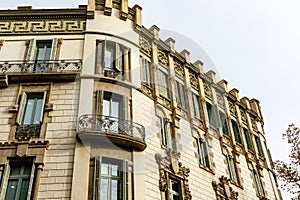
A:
(11, 189)
(104, 168)
(28, 112)
(38, 111)
(115, 109)
(24, 189)
(15, 170)
(163, 89)
(104, 189)
(114, 190)
(109, 56)
(114, 170)
(196, 106)
(106, 107)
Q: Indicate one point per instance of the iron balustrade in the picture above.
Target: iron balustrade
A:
(36, 66)
(28, 131)
(109, 124)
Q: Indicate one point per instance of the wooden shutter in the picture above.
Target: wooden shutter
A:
(99, 56)
(119, 60)
(31, 54)
(99, 102)
(43, 105)
(142, 69)
(168, 132)
(125, 108)
(4, 180)
(54, 49)
(125, 179)
(31, 180)
(97, 171)
(21, 108)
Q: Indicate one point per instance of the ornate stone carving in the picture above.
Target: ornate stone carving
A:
(26, 27)
(178, 68)
(146, 90)
(220, 100)
(223, 190)
(254, 125)
(207, 91)
(166, 102)
(232, 108)
(243, 116)
(145, 46)
(162, 57)
(194, 81)
(170, 164)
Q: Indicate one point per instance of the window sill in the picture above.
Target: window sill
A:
(206, 169)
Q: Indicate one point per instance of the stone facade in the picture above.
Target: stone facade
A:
(97, 105)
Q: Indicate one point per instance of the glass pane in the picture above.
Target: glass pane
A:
(109, 56)
(11, 189)
(115, 109)
(28, 112)
(114, 170)
(106, 107)
(114, 190)
(104, 189)
(38, 110)
(24, 189)
(27, 170)
(104, 168)
(15, 170)
(175, 186)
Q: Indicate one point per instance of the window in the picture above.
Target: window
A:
(180, 95)
(196, 106)
(111, 179)
(166, 134)
(112, 58)
(258, 183)
(212, 115)
(174, 189)
(236, 132)
(248, 139)
(17, 180)
(203, 153)
(259, 146)
(163, 83)
(224, 123)
(232, 168)
(145, 71)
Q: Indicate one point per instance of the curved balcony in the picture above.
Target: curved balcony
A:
(54, 70)
(122, 133)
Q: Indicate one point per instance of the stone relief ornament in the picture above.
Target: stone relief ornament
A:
(244, 116)
(194, 81)
(207, 91)
(145, 46)
(220, 100)
(254, 125)
(223, 190)
(178, 68)
(232, 108)
(162, 58)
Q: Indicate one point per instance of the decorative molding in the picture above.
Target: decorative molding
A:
(145, 46)
(220, 100)
(223, 190)
(178, 68)
(194, 80)
(254, 125)
(56, 26)
(232, 108)
(243, 116)
(162, 57)
(207, 91)
(146, 90)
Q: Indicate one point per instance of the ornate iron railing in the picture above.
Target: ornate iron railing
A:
(112, 125)
(40, 66)
(28, 131)
(111, 73)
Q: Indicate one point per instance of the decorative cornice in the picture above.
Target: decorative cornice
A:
(145, 46)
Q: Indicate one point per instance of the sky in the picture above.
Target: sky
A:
(253, 44)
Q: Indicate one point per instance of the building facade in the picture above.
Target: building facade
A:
(93, 105)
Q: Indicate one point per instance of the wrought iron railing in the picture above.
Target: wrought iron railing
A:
(28, 131)
(111, 73)
(112, 125)
(36, 66)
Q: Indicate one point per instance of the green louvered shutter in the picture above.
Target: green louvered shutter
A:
(21, 108)
(31, 180)
(97, 171)
(4, 180)
(125, 179)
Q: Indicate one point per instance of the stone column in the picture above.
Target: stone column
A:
(38, 174)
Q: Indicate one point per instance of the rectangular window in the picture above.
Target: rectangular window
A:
(163, 83)
(224, 123)
(181, 95)
(175, 191)
(145, 71)
(17, 180)
(111, 179)
(212, 115)
(258, 183)
(166, 132)
(236, 132)
(259, 146)
(196, 106)
(203, 153)
(248, 139)
(232, 168)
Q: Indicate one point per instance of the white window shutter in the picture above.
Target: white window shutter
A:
(125, 108)
(31, 54)
(97, 171)
(125, 179)
(119, 60)
(4, 181)
(99, 102)
(43, 106)
(99, 56)
(21, 108)
(31, 180)
(53, 49)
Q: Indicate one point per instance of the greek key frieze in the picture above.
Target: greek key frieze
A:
(27, 27)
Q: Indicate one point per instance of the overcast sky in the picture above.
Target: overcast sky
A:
(254, 45)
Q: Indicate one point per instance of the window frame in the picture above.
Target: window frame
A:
(145, 70)
(212, 114)
(224, 123)
(203, 153)
(163, 83)
(170, 192)
(258, 144)
(249, 142)
(236, 132)
(232, 168)
(166, 132)
(181, 97)
(196, 106)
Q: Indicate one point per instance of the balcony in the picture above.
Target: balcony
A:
(53, 70)
(28, 131)
(122, 133)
